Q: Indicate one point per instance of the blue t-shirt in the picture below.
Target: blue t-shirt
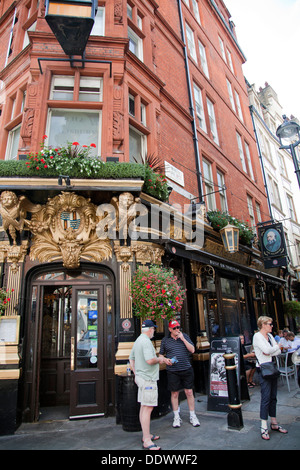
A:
(175, 347)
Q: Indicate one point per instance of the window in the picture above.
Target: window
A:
(137, 145)
(230, 61)
(99, 24)
(131, 105)
(229, 88)
(14, 111)
(251, 211)
(208, 185)
(81, 125)
(137, 108)
(13, 143)
(222, 191)
(90, 89)
(212, 121)
(191, 42)
(290, 202)
(238, 104)
(199, 107)
(249, 160)
(135, 44)
(203, 59)
(65, 125)
(281, 164)
(274, 192)
(241, 151)
(63, 88)
(258, 212)
(222, 47)
(196, 10)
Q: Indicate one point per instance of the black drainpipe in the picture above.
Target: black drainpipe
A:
(192, 111)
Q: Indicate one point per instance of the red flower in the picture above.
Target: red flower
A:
(148, 286)
(45, 137)
(45, 166)
(163, 291)
(93, 145)
(75, 143)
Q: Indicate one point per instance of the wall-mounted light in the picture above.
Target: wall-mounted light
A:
(230, 238)
(71, 21)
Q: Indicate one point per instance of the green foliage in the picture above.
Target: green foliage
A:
(292, 308)
(219, 220)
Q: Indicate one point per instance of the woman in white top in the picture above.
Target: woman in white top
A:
(265, 347)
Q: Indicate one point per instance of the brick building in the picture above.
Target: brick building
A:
(159, 78)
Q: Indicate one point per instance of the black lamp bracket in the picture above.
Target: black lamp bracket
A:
(72, 61)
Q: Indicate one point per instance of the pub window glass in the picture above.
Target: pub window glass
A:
(230, 307)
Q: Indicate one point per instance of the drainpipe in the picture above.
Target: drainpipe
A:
(192, 111)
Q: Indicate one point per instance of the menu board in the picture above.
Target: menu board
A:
(9, 330)
(218, 391)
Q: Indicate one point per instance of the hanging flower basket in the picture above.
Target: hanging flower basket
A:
(156, 294)
(4, 299)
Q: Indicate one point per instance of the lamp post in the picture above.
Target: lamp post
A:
(289, 136)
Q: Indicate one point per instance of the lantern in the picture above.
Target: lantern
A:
(71, 21)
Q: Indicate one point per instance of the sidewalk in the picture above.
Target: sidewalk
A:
(213, 434)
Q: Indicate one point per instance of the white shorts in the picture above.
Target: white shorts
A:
(147, 392)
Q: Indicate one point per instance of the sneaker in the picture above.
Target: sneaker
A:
(177, 422)
(194, 421)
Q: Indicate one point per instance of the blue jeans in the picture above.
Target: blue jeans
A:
(268, 390)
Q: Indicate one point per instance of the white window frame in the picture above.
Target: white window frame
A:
(203, 58)
(199, 107)
(196, 10)
(251, 211)
(143, 145)
(241, 151)
(191, 42)
(238, 104)
(222, 190)
(229, 88)
(248, 156)
(208, 185)
(212, 120)
(68, 138)
(222, 47)
(11, 142)
(138, 42)
(99, 24)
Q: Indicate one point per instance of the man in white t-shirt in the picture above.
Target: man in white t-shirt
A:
(145, 365)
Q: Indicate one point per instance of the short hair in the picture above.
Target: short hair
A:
(263, 319)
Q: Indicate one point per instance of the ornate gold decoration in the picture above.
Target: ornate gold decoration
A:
(65, 228)
(13, 210)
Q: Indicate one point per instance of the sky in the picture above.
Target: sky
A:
(268, 32)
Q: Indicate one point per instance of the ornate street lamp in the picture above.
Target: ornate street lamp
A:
(289, 136)
(71, 21)
(230, 238)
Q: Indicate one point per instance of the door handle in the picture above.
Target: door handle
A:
(72, 366)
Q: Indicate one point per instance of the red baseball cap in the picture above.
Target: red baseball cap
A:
(173, 323)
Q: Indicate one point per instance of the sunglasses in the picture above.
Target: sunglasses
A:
(176, 328)
(271, 324)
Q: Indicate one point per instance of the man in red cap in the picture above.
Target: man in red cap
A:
(178, 347)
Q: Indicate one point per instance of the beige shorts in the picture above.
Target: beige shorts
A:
(147, 392)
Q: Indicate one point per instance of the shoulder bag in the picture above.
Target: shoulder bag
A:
(269, 370)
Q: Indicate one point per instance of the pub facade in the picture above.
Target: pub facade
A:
(71, 241)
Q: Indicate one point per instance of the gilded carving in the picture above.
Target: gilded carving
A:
(14, 210)
(65, 228)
